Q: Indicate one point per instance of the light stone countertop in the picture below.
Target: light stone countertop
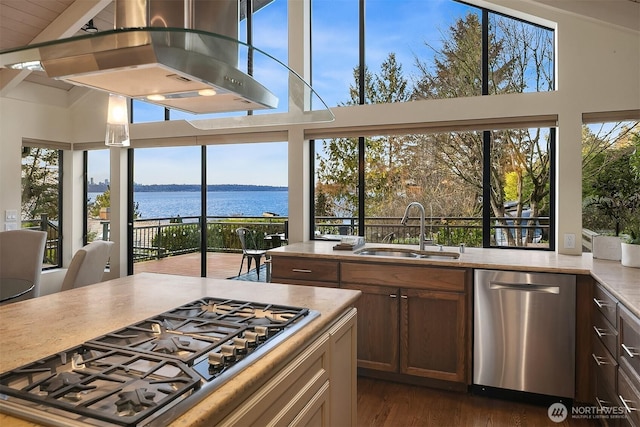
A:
(36, 328)
(623, 282)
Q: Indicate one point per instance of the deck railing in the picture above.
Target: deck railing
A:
(156, 238)
(161, 237)
(52, 249)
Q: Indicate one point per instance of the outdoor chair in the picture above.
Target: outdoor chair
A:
(87, 265)
(249, 249)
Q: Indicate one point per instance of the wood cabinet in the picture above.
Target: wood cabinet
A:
(316, 388)
(615, 360)
(433, 334)
(412, 320)
(304, 271)
(604, 344)
(629, 365)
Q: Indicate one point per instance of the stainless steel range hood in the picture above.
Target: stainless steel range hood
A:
(182, 54)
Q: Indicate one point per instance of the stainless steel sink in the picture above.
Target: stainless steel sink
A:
(388, 252)
(406, 253)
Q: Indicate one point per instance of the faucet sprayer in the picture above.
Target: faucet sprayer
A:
(405, 218)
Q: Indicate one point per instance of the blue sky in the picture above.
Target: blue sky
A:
(395, 26)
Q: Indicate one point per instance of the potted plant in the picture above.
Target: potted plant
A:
(630, 248)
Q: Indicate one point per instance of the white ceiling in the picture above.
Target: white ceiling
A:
(24, 22)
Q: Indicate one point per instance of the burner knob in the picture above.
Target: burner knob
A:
(251, 337)
(241, 345)
(262, 331)
(229, 352)
(216, 360)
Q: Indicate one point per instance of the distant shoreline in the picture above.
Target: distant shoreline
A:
(101, 188)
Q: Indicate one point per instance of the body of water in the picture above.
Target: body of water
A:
(219, 203)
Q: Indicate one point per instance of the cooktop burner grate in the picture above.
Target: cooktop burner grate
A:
(164, 364)
(96, 382)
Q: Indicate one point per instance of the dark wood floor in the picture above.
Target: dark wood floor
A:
(382, 403)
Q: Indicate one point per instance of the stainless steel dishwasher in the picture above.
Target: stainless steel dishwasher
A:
(524, 332)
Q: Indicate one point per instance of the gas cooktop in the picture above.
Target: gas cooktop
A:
(152, 371)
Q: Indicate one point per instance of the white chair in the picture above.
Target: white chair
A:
(87, 265)
(21, 257)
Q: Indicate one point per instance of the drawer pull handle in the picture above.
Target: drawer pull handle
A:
(601, 332)
(393, 296)
(600, 360)
(301, 270)
(630, 351)
(600, 304)
(624, 402)
(602, 404)
(404, 296)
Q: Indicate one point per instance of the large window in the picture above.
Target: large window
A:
(42, 198)
(484, 188)
(610, 180)
(167, 207)
(98, 197)
(425, 50)
(444, 172)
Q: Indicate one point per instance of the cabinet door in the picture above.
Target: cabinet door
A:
(377, 327)
(433, 334)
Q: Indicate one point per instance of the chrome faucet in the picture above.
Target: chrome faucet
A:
(405, 218)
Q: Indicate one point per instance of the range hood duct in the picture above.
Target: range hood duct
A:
(185, 67)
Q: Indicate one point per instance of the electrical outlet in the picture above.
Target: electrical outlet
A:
(569, 241)
(10, 215)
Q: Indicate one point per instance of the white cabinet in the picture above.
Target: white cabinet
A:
(317, 388)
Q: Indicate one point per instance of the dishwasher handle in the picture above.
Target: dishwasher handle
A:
(522, 287)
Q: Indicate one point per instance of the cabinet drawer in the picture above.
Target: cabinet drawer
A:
(404, 276)
(629, 398)
(606, 304)
(608, 402)
(605, 332)
(293, 268)
(289, 392)
(629, 336)
(605, 367)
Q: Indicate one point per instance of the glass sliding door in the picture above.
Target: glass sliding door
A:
(247, 188)
(167, 209)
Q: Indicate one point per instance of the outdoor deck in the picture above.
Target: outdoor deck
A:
(219, 265)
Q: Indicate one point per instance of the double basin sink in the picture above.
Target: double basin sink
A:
(406, 253)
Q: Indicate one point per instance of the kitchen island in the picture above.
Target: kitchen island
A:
(34, 329)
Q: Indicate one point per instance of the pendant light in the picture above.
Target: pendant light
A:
(117, 122)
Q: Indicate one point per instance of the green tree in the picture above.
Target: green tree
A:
(611, 185)
(104, 201)
(522, 154)
(385, 156)
(40, 183)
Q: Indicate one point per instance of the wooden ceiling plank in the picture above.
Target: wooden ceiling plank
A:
(71, 20)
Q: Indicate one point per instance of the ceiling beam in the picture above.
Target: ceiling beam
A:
(65, 25)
